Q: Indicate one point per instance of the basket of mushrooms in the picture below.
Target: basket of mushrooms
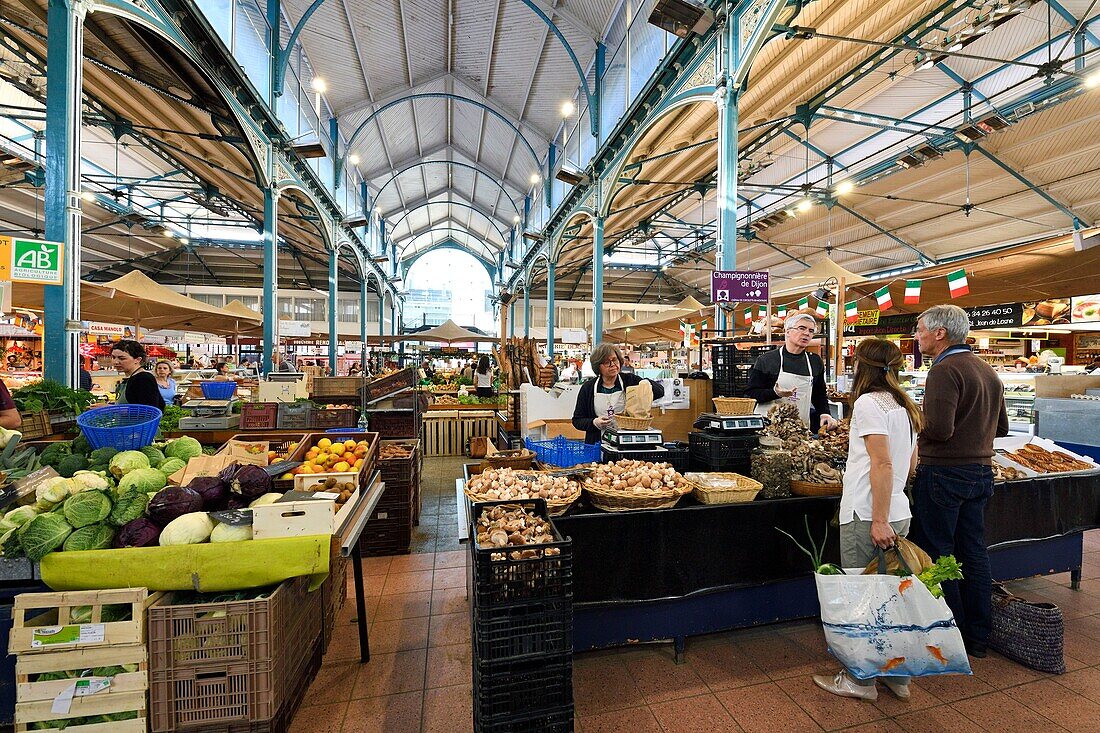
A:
(628, 485)
(506, 484)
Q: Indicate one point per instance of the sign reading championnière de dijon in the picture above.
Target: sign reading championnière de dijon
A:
(31, 261)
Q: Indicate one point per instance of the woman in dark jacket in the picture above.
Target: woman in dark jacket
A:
(608, 389)
(138, 386)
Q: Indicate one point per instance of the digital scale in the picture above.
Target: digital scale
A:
(209, 415)
(715, 423)
(621, 440)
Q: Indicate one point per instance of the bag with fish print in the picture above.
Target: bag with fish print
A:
(885, 625)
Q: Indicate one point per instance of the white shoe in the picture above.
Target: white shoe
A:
(900, 689)
(843, 684)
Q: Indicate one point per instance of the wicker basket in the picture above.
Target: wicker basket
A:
(618, 500)
(520, 459)
(555, 507)
(625, 422)
(734, 405)
(806, 488)
(744, 489)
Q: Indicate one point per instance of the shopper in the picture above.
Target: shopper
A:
(85, 379)
(627, 368)
(9, 413)
(167, 386)
(138, 387)
(221, 372)
(604, 392)
(792, 373)
(468, 371)
(874, 510)
(483, 377)
(280, 364)
(964, 410)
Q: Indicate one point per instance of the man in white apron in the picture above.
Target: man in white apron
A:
(791, 373)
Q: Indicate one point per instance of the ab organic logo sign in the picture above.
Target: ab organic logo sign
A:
(32, 260)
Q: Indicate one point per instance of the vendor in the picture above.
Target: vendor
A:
(138, 387)
(221, 372)
(167, 386)
(792, 373)
(607, 390)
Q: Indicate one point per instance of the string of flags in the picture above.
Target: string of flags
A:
(956, 282)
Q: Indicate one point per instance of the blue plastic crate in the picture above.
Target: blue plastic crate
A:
(123, 427)
(217, 390)
(562, 451)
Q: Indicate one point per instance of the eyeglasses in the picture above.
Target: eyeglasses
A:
(803, 329)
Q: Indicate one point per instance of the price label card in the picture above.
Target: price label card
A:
(47, 636)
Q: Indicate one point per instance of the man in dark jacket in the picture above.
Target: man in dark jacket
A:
(964, 410)
(606, 391)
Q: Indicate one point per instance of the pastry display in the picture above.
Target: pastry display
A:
(1041, 460)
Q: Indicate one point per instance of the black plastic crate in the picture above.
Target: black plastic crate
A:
(510, 691)
(522, 633)
(714, 447)
(500, 580)
(543, 721)
(676, 454)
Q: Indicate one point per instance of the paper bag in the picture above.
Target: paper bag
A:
(905, 556)
(639, 399)
(202, 466)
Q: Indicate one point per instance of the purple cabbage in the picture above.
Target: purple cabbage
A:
(226, 475)
(173, 502)
(138, 533)
(236, 501)
(251, 482)
(213, 491)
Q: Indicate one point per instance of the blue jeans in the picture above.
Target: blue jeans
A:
(950, 508)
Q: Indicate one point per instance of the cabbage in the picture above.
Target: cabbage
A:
(229, 533)
(128, 460)
(87, 507)
(173, 502)
(213, 491)
(266, 499)
(92, 537)
(138, 533)
(236, 501)
(171, 465)
(43, 534)
(142, 479)
(154, 455)
(128, 507)
(20, 516)
(90, 480)
(251, 482)
(52, 492)
(190, 529)
(184, 448)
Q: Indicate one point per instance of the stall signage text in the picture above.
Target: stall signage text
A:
(31, 261)
(1006, 315)
(901, 324)
(868, 318)
(735, 286)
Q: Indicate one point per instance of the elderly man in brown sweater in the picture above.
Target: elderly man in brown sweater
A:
(964, 410)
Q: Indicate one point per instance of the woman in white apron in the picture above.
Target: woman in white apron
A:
(777, 375)
(603, 397)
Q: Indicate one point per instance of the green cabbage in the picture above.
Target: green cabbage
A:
(87, 507)
(229, 533)
(92, 537)
(154, 455)
(184, 448)
(128, 507)
(265, 499)
(171, 465)
(20, 516)
(189, 529)
(128, 460)
(142, 479)
(43, 534)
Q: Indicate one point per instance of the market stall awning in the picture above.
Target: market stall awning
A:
(448, 332)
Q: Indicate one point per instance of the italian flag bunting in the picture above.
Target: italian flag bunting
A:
(748, 315)
(882, 295)
(912, 292)
(702, 326)
(781, 311)
(851, 311)
(762, 311)
(956, 281)
(822, 309)
(804, 303)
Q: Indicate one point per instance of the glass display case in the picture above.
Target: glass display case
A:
(1019, 397)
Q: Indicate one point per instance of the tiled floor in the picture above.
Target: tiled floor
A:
(755, 680)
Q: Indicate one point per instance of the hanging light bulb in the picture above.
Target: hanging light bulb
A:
(353, 159)
(568, 108)
(535, 179)
(844, 187)
(804, 205)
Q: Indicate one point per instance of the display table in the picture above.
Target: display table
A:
(696, 569)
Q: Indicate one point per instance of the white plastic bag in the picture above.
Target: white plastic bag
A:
(883, 625)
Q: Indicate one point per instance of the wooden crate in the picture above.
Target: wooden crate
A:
(35, 425)
(328, 387)
(442, 434)
(59, 613)
(477, 424)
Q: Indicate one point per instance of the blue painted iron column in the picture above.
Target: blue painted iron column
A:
(527, 309)
(597, 279)
(271, 276)
(64, 85)
(550, 268)
(363, 280)
(333, 306)
(726, 99)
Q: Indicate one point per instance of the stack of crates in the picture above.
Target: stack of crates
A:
(217, 665)
(390, 526)
(731, 367)
(711, 452)
(58, 636)
(522, 627)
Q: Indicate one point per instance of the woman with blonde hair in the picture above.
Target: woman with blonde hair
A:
(882, 455)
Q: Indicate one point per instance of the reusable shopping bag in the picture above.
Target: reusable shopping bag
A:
(884, 625)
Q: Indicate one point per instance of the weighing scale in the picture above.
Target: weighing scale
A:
(622, 440)
(728, 424)
(209, 415)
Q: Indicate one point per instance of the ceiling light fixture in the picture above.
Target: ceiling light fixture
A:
(515, 219)
(535, 179)
(1093, 80)
(804, 205)
(682, 17)
(353, 159)
(844, 187)
(318, 85)
(87, 196)
(568, 108)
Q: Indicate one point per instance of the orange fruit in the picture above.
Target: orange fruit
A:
(311, 454)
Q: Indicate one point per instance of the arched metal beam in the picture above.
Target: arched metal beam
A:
(282, 55)
(431, 95)
(450, 243)
(406, 243)
(476, 169)
(488, 218)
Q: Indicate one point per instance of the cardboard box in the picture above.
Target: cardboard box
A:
(283, 391)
